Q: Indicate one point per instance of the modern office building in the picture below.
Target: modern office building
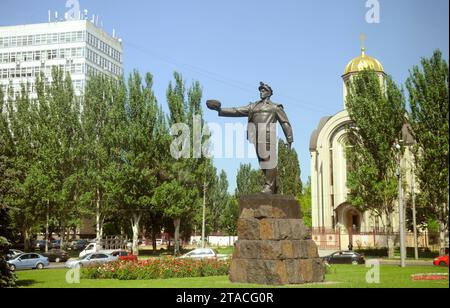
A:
(76, 46)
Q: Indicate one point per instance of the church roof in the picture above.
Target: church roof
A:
(363, 62)
(316, 133)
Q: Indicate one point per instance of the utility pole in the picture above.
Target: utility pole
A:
(413, 192)
(46, 225)
(204, 213)
(401, 209)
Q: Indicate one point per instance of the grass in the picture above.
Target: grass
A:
(340, 276)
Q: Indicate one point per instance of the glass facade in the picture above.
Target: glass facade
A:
(20, 65)
(42, 39)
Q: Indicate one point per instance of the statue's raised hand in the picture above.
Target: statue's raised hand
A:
(214, 105)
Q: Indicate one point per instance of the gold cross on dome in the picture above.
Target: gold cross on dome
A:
(363, 39)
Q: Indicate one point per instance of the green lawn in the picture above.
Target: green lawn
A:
(341, 276)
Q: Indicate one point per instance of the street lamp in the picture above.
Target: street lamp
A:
(398, 147)
(413, 192)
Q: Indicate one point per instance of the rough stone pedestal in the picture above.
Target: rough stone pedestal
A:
(274, 247)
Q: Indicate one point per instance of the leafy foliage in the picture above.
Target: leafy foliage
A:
(377, 111)
(429, 116)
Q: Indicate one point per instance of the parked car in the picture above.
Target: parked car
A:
(57, 255)
(203, 253)
(95, 248)
(78, 245)
(441, 261)
(12, 253)
(123, 255)
(28, 261)
(129, 244)
(345, 257)
(91, 259)
(55, 244)
(40, 245)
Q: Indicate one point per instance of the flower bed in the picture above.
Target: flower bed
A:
(164, 268)
(430, 276)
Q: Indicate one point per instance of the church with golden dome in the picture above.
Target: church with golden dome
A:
(336, 223)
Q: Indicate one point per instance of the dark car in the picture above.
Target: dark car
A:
(78, 245)
(345, 257)
(56, 244)
(40, 245)
(57, 255)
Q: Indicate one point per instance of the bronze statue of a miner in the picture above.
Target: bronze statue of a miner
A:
(262, 119)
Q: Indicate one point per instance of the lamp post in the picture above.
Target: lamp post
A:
(401, 208)
(46, 225)
(204, 214)
(413, 193)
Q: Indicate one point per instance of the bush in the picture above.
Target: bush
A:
(164, 268)
(7, 278)
(374, 252)
(383, 252)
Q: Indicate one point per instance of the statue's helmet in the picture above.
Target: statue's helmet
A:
(262, 85)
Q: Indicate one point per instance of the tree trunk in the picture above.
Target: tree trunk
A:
(97, 220)
(63, 232)
(154, 241)
(389, 235)
(135, 227)
(176, 223)
(443, 228)
(442, 241)
(46, 226)
(26, 239)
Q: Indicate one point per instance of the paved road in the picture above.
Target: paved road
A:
(54, 265)
(323, 253)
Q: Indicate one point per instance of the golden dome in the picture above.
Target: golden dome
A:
(363, 62)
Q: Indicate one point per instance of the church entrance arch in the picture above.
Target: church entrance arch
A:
(349, 219)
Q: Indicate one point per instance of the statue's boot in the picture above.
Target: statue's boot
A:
(267, 190)
(270, 181)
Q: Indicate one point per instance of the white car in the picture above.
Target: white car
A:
(13, 252)
(204, 253)
(90, 259)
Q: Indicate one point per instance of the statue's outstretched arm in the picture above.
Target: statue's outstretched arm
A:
(228, 112)
(235, 112)
(285, 124)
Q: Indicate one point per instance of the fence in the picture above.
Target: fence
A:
(339, 239)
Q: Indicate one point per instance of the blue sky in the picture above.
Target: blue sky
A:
(299, 47)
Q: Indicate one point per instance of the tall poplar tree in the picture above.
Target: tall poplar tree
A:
(288, 179)
(428, 100)
(377, 111)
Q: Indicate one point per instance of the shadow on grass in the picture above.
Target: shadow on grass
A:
(26, 283)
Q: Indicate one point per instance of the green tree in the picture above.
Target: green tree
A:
(248, 180)
(103, 125)
(377, 112)
(143, 152)
(55, 173)
(7, 278)
(21, 125)
(288, 179)
(306, 204)
(229, 217)
(219, 199)
(429, 114)
(191, 171)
